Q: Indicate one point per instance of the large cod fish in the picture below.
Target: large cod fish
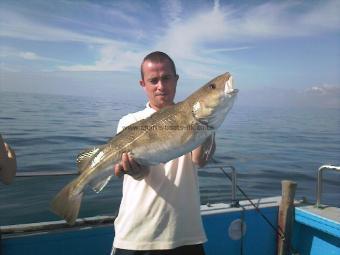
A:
(165, 135)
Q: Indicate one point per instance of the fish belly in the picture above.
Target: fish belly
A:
(164, 150)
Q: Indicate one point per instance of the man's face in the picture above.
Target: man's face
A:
(159, 83)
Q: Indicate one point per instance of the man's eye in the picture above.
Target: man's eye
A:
(165, 78)
(154, 81)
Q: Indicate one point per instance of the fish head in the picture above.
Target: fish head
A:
(212, 102)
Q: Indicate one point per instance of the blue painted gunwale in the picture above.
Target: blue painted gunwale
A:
(258, 239)
(316, 221)
(314, 234)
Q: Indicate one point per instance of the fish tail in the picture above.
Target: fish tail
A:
(67, 203)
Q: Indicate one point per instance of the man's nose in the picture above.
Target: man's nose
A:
(161, 85)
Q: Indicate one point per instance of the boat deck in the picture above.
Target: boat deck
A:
(326, 219)
(317, 230)
(326, 212)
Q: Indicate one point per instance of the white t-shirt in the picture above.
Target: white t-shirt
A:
(162, 211)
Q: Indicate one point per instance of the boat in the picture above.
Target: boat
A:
(248, 226)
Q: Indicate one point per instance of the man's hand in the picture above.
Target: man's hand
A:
(8, 164)
(203, 153)
(129, 166)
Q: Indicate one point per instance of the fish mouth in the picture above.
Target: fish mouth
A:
(233, 92)
(229, 87)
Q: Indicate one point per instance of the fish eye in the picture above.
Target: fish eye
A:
(212, 86)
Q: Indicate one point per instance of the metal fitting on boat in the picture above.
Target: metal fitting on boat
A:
(319, 185)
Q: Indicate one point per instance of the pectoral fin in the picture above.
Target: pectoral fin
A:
(99, 183)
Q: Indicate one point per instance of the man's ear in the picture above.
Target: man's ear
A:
(141, 82)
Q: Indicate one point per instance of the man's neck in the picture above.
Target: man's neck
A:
(157, 108)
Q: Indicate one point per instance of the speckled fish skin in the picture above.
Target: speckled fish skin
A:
(167, 134)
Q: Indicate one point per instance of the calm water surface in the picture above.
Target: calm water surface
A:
(266, 145)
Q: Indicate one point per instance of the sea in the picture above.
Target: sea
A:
(265, 144)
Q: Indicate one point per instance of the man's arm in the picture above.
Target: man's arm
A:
(202, 154)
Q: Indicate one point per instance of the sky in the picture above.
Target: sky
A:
(279, 52)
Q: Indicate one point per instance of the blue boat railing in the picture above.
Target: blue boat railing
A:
(46, 173)
(57, 225)
(233, 178)
(320, 179)
(234, 199)
(98, 220)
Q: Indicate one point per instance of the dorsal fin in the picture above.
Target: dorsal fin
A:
(85, 156)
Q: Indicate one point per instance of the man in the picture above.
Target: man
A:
(160, 208)
(8, 164)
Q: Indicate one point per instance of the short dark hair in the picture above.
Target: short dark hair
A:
(157, 56)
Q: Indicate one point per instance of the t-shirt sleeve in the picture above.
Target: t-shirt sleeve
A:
(126, 121)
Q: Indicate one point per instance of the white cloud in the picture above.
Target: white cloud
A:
(288, 19)
(182, 38)
(189, 40)
(112, 58)
(188, 36)
(324, 89)
(7, 52)
(324, 95)
(218, 50)
(230, 24)
(321, 96)
(171, 10)
(114, 55)
(17, 26)
(323, 16)
(28, 55)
